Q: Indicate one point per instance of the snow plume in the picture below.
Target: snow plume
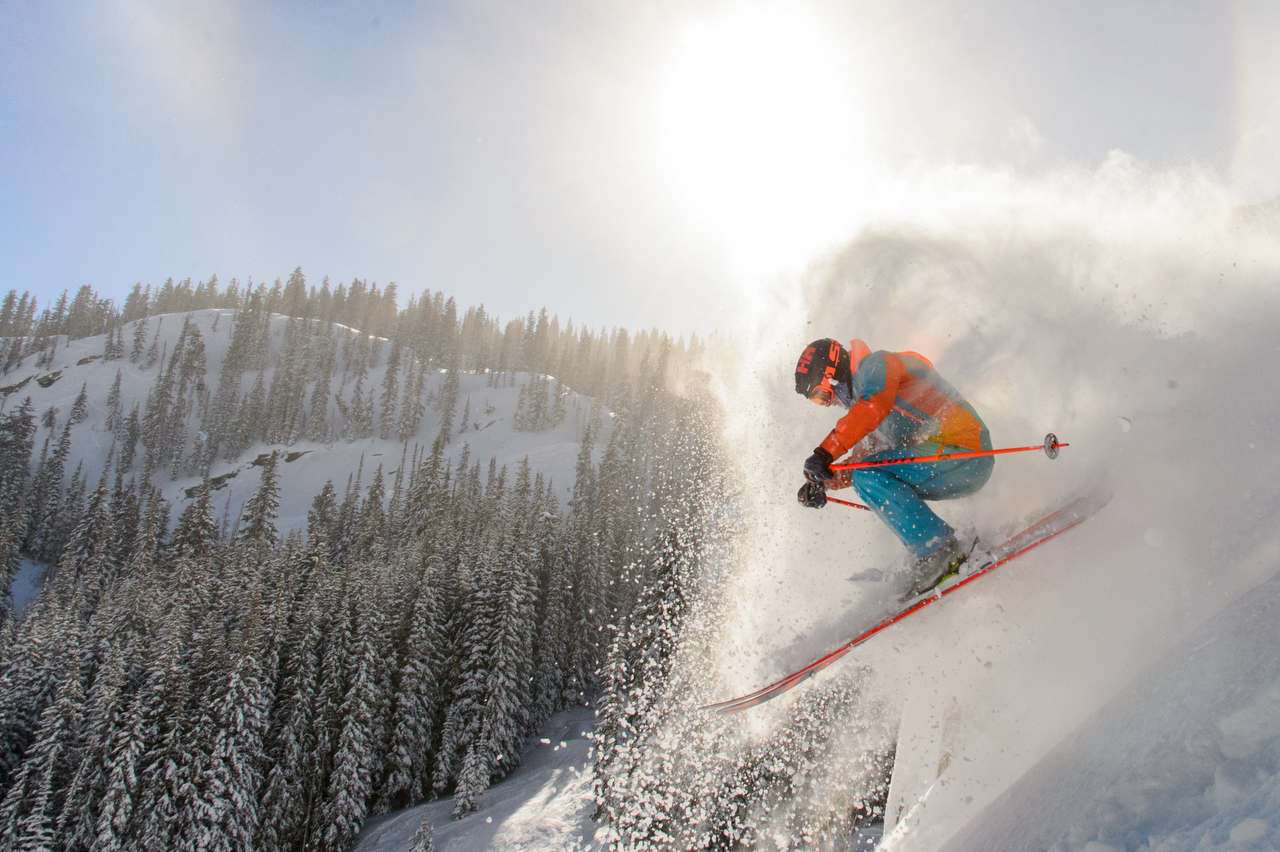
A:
(1129, 311)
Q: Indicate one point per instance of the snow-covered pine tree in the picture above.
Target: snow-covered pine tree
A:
(511, 667)
(583, 564)
(417, 696)
(80, 407)
(257, 534)
(64, 522)
(551, 642)
(86, 569)
(77, 822)
(449, 401)
(30, 808)
(360, 423)
(292, 785)
(45, 498)
(232, 784)
(128, 438)
(115, 413)
(156, 419)
(473, 777)
(116, 814)
(390, 393)
(413, 405)
(465, 632)
(356, 758)
(197, 530)
(322, 361)
(139, 340)
(370, 546)
(163, 778)
(17, 432)
(249, 420)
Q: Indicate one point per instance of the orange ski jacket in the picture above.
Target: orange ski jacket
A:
(902, 396)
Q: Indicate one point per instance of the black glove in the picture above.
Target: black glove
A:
(817, 468)
(812, 495)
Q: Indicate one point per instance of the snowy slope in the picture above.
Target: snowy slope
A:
(307, 465)
(1188, 756)
(546, 804)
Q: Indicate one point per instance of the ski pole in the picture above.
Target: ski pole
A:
(1050, 447)
(849, 503)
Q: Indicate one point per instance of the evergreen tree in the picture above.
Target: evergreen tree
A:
(197, 531)
(350, 788)
(284, 401)
(552, 643)
(129, 436)
(30, 809)
(417, 696)
(139, 340)
(17, 432)
(77, 823)
(449, 401)
(86, 567)
(291, 785)
(68, 517)
(258, 533)
(8, 314)
(115, 414)
(390, 393)
(233, 782)
(250, 419)
(318, 416)
(45, 498)
(582, 558)
(413, 406)
(156, 435)
(116, 815)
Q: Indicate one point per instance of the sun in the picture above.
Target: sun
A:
(755, 128)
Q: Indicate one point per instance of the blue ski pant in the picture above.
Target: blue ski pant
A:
(897, 492)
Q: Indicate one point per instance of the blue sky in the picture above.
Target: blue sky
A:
(621, 163)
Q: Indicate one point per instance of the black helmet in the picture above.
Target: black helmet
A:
(821, 362)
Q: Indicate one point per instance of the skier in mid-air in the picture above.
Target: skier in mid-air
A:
(899, 407)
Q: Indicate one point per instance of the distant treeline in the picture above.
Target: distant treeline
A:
(431, 325)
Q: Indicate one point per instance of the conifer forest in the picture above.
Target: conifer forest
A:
(192, 674)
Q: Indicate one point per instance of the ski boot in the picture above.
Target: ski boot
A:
(937, 566)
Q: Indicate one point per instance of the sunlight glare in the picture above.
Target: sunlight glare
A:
(756, 128)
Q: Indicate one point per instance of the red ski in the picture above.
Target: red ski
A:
(1050, 526)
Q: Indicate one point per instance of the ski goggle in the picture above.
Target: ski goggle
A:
(822, 394)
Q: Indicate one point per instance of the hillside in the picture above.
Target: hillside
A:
(489, 430)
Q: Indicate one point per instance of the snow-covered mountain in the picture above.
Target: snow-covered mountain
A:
(489, 430)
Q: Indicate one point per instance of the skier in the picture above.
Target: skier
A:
(899, 407)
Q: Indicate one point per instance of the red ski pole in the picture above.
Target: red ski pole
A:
(1050, 448)
(849, 503)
